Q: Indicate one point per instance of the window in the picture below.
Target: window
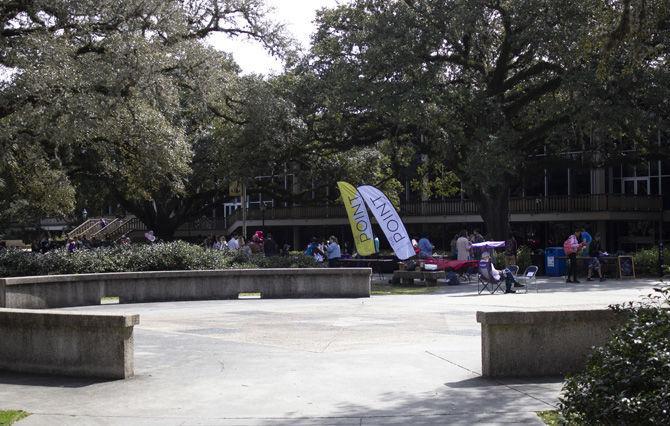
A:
(581, 181)
(642, 169)
(665, 187)
(558, 182)
(534, 184)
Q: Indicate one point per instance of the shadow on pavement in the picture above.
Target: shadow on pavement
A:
(469, 401)
(26, 379)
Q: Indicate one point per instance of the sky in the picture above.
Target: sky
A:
(297, 15)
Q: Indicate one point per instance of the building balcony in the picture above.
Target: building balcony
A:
(527, 205)
(562, 207)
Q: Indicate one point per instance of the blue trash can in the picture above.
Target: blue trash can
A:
(554, 266)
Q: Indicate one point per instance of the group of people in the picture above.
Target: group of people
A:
(582, 243)
(462, 247)
(325, 250)
(73, 244)
(259, 243)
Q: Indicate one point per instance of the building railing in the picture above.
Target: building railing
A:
(526, 205)
(586, 203)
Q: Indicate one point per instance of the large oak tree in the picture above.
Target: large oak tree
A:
(483, 85)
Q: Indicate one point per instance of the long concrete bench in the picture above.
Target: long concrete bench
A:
(56, 291)
(67, 343)
(544, 343)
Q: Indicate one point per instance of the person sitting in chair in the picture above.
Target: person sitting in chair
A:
(595, 267)
(505, 274)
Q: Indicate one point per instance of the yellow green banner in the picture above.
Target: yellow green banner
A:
(358, 219)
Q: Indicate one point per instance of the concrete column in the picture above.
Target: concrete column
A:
(598, 181)
(601, 228)
(297, 245)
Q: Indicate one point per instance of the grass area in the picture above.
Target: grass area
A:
(11, 416)
(249, 296)
(551, 418)
(387, 289)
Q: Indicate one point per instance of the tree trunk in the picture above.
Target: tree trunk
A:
(495, 212)
(163, 227)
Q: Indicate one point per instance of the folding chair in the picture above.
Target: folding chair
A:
(514, 269)
(528, 277)
(485, 279)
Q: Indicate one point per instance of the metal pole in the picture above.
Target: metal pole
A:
(244, 210)
(661, 259)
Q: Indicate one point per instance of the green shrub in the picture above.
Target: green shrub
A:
(627, 381)
(646, 261)
(174, 256)
(522, 258)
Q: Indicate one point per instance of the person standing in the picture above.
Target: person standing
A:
(477, 237)
(586, 238)
(572, 246)
(314, 251)
(270, 246)
(463, 246)
(454, 247)
(84, 214)
(511, 250)
(334, 254)
(233, 244)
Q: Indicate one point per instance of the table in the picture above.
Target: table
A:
(461, 267)
(604, 260)
(374, 264)
(408, 277)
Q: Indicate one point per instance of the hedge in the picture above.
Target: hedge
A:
(646, 261)
(627, 381)
(174, 256)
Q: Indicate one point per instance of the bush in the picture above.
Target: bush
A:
(522, 258)
(627, 381)
(174, 256)
(646, 261)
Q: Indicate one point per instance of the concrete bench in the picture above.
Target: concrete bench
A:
(67, 343)
(57, 291)
(408, 277)
(543, 343)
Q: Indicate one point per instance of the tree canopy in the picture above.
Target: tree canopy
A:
(119, 94)
(126, 99)
(481, 86)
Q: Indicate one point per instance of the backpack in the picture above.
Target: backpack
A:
(567, 247)
(452, 278)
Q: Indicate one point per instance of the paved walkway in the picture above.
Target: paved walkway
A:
(385, 360)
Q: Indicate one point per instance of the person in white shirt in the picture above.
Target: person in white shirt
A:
(233, 244)
(505, 274)
(463, 246)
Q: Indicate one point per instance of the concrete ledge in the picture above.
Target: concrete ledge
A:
(543, 343)
(67, 343)
(55, 291)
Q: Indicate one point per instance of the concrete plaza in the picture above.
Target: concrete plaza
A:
(384, 360)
